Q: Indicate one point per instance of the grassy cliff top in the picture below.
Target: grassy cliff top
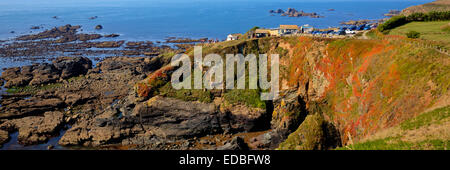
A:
(439, 5)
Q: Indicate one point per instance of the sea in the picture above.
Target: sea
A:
(156, 20)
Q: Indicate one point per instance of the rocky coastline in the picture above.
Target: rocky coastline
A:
(94, 99)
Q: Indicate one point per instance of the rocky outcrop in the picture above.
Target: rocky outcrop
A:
(159, 118)
(313, 134)
(109, 44)
(289, 112)
(112, 35)
(291, 12)
(245, 119)
(67, 30)
(17, 106)
(72, 66)
(67, 33)
(87, 37)
(37, 74)
(98, 27)
(155, 121)
(35, 129)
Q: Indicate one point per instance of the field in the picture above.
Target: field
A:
(427, 30)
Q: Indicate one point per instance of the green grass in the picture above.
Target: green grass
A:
(392, 143)
(428, 31)
(247, 97)
(33, 89)
(395, 143)
(186, 94)
(425, 119)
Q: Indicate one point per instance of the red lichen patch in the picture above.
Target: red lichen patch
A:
(153, 81)
(296, 74)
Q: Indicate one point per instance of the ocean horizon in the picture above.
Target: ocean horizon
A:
(152, 20)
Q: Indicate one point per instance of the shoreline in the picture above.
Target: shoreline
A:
(101, 89)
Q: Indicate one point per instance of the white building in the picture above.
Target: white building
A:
(231, 37)
(348, 31)
(307, 28)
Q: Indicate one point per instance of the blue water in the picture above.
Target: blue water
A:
(159, 19)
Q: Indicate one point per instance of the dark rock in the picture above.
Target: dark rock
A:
(109, 44)
(162, 118)
(86, 37)
(32, 106)
(18, 82)
(38, 74)
(111, 35)
(10, 73)
(176, 118)
(72, 66)
(44, 74)
(98, 27)
(63, 31)
(279, 11)
(291, 12)
(245, 119)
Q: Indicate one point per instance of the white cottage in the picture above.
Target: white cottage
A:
(231, 37)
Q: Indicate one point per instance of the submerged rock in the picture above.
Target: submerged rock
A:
(98, 27)
(112, 35)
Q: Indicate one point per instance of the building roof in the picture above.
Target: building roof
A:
(307, 26)
(291, 27)
(258, 31)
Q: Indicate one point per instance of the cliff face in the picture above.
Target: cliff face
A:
(363, 86)
(359, 86)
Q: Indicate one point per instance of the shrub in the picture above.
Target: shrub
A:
(400, 20)
(395, 21)
(413, 34)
